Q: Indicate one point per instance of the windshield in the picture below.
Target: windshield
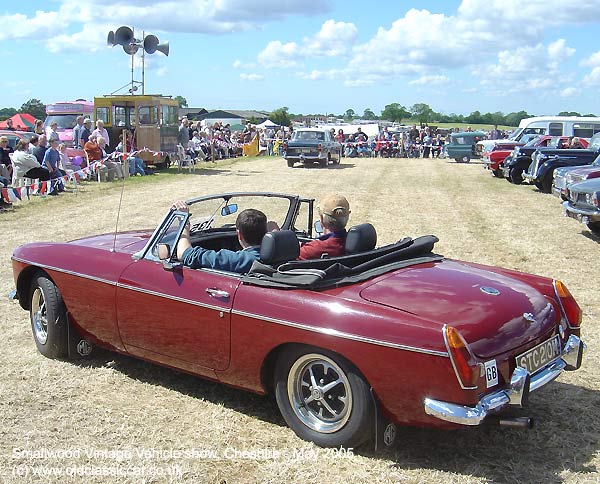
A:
(219, 213)
(533, 141)
(65, 121)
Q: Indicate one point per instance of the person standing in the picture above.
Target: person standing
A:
(77, 131)
(100, 132)
(85, 133)
(6, 167)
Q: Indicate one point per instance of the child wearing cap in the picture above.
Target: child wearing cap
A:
(334, 211)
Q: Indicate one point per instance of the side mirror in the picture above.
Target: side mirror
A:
(164, 251)
(164, 254)
(318, 227)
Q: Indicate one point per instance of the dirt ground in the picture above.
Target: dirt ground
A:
(116, 419)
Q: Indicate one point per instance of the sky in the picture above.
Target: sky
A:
(312, 56)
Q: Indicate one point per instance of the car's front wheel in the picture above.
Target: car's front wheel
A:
(594, 227)
(48, 318)
(323, 398)
(515, 175)
(290, 163)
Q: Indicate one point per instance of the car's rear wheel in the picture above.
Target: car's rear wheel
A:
(323, 397)
(466, 159)
(48, 317)
(594, 227)
(515, 175)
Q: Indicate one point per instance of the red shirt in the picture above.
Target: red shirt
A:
(332, 244)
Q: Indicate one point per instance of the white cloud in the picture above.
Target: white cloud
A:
(593, 78)
(19, 26)
(569, 92)
(279, 55)
(591, 61)
(334, 39)
(251, 77)
(431, 81)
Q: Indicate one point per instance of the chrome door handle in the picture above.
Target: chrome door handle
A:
(212, 292)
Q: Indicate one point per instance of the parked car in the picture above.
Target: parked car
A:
(545, 160)
(462, 145)
(519, 160)
(583, 203)
(567, 175)
(396, 333)
(15, 136)
(493, 157)
(312, 145)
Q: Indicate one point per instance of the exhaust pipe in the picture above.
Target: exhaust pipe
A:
(516, 422)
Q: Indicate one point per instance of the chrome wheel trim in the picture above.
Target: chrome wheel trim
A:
(39, 317)
(319, 393)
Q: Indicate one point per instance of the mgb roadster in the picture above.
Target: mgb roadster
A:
(349, 346)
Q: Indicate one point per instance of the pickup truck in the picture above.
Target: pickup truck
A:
(545, 160)
(517, 162)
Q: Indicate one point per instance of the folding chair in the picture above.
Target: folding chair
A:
(184, 160)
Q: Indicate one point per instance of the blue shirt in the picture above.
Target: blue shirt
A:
(226, 260)
(51, 159)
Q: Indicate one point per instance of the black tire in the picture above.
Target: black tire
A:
(497, 173)
(458, 160)
(547, 182)
(538, 185)
(48, 316)
(466, 159)
(594, 227)
(341, 415)
(515, 175)
(323, 163)
(290, 163)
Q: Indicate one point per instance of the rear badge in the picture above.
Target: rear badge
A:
(489, 290)
(528, 317)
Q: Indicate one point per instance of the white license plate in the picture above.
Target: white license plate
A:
(538, 357)
(305, 150)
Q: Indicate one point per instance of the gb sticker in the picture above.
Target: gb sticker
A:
(491, 373)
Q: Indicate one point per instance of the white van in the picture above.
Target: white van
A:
(582, 127)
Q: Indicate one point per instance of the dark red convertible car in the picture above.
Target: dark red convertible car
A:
(349, 346)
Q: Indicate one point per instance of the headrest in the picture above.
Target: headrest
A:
(360, 238)
(278, 247)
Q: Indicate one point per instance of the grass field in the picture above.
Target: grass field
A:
(137, 422)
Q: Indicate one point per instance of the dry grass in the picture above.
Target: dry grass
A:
(114, 403)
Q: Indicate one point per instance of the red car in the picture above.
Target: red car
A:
(381, 336)
(493, 158)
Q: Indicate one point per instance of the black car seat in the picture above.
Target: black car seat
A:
(278, 247)
(360, 238)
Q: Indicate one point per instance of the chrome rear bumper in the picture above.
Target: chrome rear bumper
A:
(517, 392)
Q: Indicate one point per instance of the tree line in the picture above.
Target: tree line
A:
(395, 112)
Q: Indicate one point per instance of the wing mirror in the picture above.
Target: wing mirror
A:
(164, 254)
(229, 209)
(318, 228)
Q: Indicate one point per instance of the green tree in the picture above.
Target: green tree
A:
(422, 112)
(35, 107)
(369, 114)
(182, 101)
(513, 119)
(394, 112)
(281, 117)
(569, 113)
(6, 113)
(349, 114)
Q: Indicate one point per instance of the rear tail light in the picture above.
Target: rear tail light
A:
(464, 363)
(569, 306)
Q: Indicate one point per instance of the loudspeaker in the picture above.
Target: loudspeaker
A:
(124, 36)
(131, 49)
(111, 39)
(151, 45)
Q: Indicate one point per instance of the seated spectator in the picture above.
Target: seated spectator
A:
(136, 164)
(65, 165)
(576, 143)
(351, 150)
(251, 226)
(3, 203)
(194, 146)
(40, 149)
(5, 163)
(50, 162)
(334, 211)
(94, 149)
(26, 165)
